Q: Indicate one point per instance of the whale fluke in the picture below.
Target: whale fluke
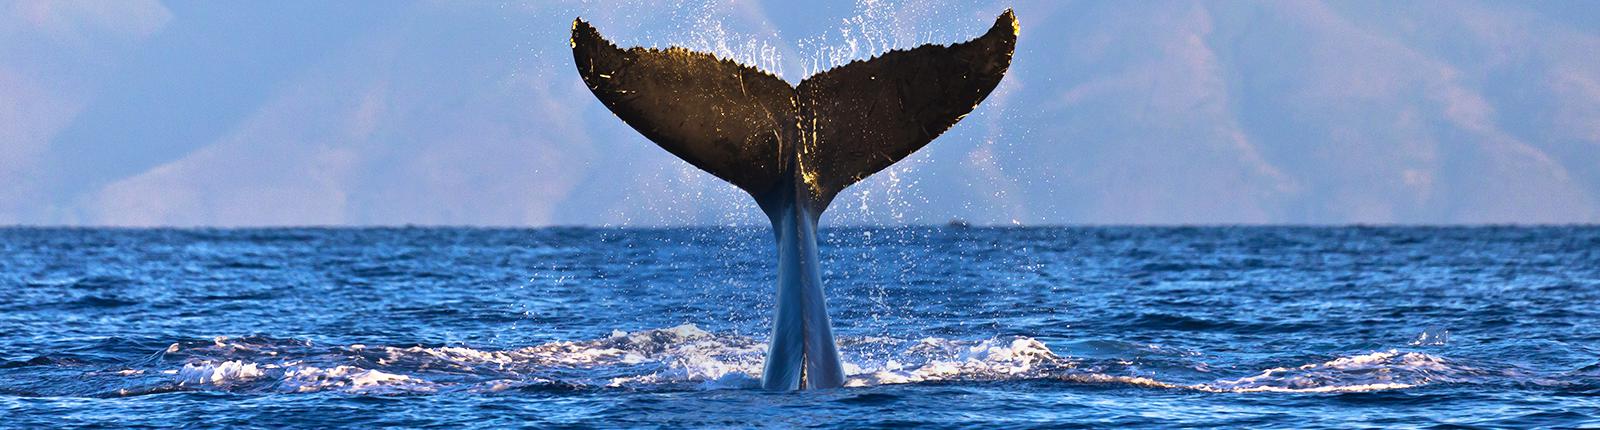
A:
(794, 148)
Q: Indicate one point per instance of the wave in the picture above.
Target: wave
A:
(686, 357)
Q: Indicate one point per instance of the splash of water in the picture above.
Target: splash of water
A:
(686, 357)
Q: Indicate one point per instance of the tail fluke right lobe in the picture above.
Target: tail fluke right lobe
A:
(862, 117)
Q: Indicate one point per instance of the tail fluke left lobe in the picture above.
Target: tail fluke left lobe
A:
(723, 117)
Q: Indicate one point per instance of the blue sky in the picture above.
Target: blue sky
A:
(145, 112)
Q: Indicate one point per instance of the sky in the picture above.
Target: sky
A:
(204, 113)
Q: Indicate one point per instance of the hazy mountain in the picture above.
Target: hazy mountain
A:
(180, 113)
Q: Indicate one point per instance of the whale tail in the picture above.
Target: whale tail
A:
(794, 148)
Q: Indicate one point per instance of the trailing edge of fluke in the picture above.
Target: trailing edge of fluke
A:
(794, 148)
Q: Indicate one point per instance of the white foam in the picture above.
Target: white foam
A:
(682, 354)
(208, 373)
(688, 355)
(1383, 370)
(934, 359)
(351, 379)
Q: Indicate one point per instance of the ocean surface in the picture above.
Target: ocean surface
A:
(1234, 327)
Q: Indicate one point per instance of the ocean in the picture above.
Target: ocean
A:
(939, 327)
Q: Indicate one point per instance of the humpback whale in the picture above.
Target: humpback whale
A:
(794, 147)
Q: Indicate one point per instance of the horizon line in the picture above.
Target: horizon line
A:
(1586, 224)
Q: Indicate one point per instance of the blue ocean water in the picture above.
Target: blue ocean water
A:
(1292, 327)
